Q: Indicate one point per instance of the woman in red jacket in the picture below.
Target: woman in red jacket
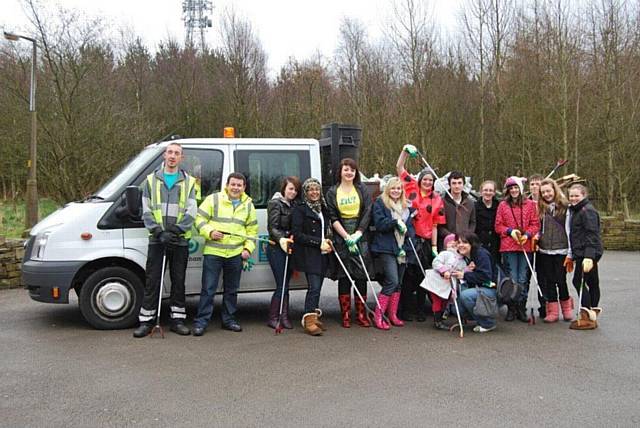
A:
(516, 223)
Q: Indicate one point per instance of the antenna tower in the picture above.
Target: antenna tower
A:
(195, 14)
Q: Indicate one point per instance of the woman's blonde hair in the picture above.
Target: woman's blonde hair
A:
(558, 197)
(386, 198)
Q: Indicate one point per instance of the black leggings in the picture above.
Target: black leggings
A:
(591, 291)
(344, 287)
(551, 274)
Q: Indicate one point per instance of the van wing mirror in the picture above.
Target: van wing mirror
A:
(133, 201)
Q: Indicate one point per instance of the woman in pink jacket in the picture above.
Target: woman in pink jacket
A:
(516, 223)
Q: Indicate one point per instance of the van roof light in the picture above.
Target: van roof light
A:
(229, 132)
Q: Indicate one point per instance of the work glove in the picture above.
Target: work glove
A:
(354, 238)
(411, 150)
(402, 253)
(568, 264)
(353, 249)
(523, 239)
(515, 234)
(434, 250)
(402, 227)
(165, 237)
(587, 265)
(247, 265)
(534, 242)
(175, 230)
(284, 244)
(325, 246)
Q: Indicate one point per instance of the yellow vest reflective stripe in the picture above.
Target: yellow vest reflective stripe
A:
(156, 199)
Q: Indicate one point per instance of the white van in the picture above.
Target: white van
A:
(97, 249)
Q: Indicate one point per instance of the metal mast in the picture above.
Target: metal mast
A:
(195, 14)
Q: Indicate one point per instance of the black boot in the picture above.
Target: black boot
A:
(286, 322)
(274, 310)
(521, 312)
(421, 304)
(178, 327)
(143, 330)
(437, 321)
(511, 313)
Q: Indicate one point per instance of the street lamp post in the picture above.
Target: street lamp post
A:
(31, 205)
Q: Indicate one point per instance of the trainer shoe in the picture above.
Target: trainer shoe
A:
(480, 329)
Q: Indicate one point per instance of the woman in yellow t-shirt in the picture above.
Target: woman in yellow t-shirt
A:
(349, 206)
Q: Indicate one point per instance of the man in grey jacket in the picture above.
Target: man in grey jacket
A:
(168, 211)
(459, 211)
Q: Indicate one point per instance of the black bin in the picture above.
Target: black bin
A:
(337, 141)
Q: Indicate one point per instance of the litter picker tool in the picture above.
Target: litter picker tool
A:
(369, 282)
(454, 294)
(370, 313)
(253, 238)
(157, 326)
(534, 276)
(279, 328)
(433, 171)
(559, 164)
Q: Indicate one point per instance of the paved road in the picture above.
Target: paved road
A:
(57, 371)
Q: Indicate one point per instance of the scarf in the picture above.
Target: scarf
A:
(315, 206)
(397, 213)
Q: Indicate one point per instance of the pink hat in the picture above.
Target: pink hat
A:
(450, 237)
(515, 181)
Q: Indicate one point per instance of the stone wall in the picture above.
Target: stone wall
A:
(620, 234)
(11, 252)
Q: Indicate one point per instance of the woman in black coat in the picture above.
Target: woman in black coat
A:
(279, 228)
(486, 208)
(310, 228)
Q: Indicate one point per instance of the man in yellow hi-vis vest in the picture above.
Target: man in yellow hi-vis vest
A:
(168, 211)
(227, 219)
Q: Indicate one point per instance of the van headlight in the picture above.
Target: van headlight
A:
(37, 252)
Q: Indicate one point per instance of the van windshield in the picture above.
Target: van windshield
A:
(128, 173)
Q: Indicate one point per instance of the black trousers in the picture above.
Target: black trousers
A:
(344, 287)
(177, 258)
(591, 291)
(552, 274)
(410, 290)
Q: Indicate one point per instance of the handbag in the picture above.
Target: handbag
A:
(509, 291)
(486, 306)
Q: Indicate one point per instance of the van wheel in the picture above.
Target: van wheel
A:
(111, 298)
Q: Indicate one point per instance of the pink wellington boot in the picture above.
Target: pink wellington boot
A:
(378, 321)
(553, 312)
(393, 310)
(567, 309)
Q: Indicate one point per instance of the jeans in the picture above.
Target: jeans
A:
(517, 268)
(277, 259)
(467, 300)
(393, 273)
(312, 299)
(177, 257)
(231, 269)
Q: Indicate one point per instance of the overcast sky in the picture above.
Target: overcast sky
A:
(286, 28)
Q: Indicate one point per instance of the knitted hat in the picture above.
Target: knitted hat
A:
(450, 237)
(515, 181)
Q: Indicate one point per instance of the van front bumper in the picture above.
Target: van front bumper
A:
(40, 278)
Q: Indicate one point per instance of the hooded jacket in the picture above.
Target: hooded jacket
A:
(584, 229)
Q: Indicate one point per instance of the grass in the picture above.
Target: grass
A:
(12, 216)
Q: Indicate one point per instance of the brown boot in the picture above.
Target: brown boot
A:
(586, 320)
(319, 323)
(309, 323)
(345, 309)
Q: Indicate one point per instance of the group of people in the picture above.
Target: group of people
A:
(411, 240)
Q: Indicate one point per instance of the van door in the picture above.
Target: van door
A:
(265, 167)
(206, 165)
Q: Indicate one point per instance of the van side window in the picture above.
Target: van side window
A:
(206, 167)
(265, 170)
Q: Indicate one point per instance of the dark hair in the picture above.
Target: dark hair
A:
(237, 175)
(350, 163)
(455, 175)
(423, 173)
(470, 238)
(293, 180)
(535, 177)
(511, 201)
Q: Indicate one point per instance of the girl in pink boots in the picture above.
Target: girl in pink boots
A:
(394, 228)
(553, 250)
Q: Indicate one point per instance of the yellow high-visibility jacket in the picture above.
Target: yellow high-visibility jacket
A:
(217, 213)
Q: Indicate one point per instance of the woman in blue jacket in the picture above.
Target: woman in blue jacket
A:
(392, 221)
(476, 279)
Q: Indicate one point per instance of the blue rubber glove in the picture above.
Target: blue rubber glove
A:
(353, 249)
(354, 238)
(411, 150)
(247, 265)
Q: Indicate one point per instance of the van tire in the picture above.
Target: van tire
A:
(111, 297)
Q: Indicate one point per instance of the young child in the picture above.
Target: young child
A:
(583, 228)
(438, 280)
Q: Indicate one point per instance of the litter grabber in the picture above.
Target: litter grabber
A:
(279, 329)
(454, 294)
(157, 326)
(253, 238)
(370, 313)
(534, 276)
(559, 164)
(433, 171)
(375, 296)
